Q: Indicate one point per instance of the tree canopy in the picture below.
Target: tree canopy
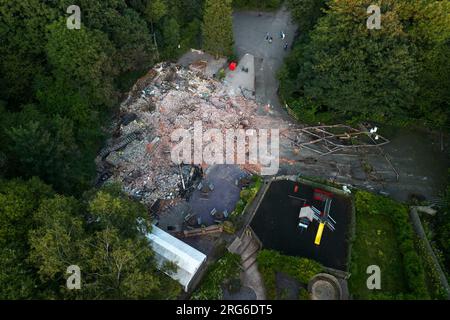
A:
(59, 86)
(42, 233)
(341, 67)
(218, 27)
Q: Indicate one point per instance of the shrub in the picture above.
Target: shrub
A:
(432, 275)
(270, 262)
(229, 227)
(247, 195)
(221, 75)
(226, 268)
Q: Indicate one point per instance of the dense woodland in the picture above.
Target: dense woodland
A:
(59, 89)
(59, 85)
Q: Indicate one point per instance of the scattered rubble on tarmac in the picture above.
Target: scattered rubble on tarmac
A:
(173, 97)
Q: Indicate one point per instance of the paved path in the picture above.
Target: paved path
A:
(248, 247)
(250, 37)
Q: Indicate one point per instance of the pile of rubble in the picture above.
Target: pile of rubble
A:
(167, 98)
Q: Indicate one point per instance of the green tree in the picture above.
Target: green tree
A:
(119, 259)
(132, 39)
(112, 209)
(257, 4)
(138, 5)
(82, 59)
(191, 35)
(218, 27)
(348, 70)
(75, 106)
(306, 12)
(56, 241)
(397, 73)
(155, 10)
(428, 24)
(105, 235)
(434, 82)
(22, 33)
(18, 202)
(119, 268)
(442, 236)
(171, 38)
(46, 147)
(190, 10)
(96, 15)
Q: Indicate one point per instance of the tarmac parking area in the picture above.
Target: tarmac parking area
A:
(276, 225)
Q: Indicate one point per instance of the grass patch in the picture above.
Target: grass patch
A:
(375, 244)
(384, 237)
(226, 269)
(301, 269)
(320, 181)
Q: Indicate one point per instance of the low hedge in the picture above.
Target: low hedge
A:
(437, 291)
(270, 262)
(247, 195)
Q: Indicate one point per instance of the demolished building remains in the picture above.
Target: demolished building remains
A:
(169, 97)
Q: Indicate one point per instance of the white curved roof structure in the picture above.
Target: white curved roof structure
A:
(168, 248)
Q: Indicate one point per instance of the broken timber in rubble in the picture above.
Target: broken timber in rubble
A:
(326, 140)
(121, 143)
